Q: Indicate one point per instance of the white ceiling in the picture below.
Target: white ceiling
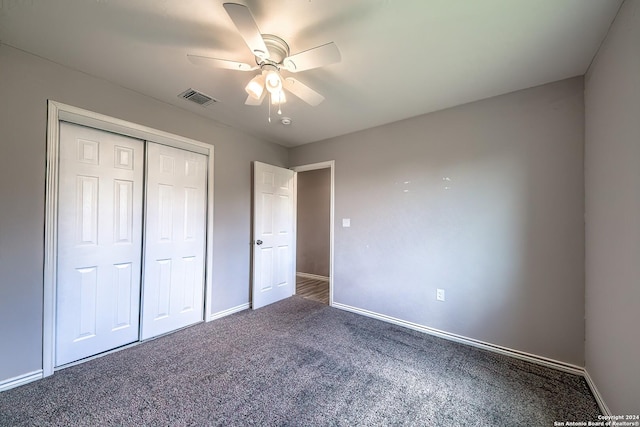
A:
(400, 58)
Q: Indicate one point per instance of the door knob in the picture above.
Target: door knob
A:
(258, 242)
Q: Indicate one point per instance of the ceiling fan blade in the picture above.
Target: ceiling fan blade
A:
(246, 25)
(220, 63)
(303, 91)
(313, 58)
(255, 102)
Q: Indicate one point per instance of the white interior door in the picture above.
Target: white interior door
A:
(173, 290)
(99, 242)
(273, 262)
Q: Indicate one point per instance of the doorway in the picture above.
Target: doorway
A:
(314, 231)
(274, 233)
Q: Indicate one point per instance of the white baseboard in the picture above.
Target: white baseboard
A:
(312, 276)
(592, 385)
(544, 361)
(20, 380)
(228, 311)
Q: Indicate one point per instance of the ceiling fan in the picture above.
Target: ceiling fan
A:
(272, 55)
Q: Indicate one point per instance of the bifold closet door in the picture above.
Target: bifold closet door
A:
(175, 235)
(99, 242)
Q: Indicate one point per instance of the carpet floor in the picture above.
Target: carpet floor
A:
(300, 363)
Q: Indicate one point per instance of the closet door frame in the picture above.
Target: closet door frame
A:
(61, 112)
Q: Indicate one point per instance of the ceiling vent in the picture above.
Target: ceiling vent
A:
(197, 97)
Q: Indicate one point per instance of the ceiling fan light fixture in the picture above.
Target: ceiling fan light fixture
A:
(273, 82)
(255, 87)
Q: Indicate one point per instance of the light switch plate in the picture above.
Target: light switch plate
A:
(346, 222)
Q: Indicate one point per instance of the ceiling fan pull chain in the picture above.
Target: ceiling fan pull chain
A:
(269, 107)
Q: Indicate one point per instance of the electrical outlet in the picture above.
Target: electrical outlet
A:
(440, 294)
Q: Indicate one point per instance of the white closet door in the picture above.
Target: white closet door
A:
(173, 290)
(99, 242)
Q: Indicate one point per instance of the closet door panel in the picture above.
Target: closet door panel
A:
(173, 289)
(99, 242)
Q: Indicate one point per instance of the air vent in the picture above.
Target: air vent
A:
(197, 97)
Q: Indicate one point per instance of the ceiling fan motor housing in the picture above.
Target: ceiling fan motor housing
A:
(278, 51)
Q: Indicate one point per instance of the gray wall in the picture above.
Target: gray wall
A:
(485, 200)
(612, 98)
(25, 85)
(313, 227)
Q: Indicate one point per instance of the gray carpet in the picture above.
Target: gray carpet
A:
(300, 363)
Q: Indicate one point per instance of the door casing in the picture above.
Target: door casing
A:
(61, 112)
